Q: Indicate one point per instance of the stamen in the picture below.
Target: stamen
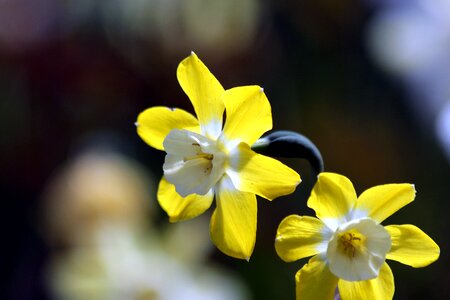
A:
(206, 156)
(350, 241)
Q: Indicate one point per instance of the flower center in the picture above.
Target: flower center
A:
(350, 243)
(201, 155)
(194, 163)
(358, 249)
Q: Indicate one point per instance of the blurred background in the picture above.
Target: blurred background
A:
(367, 81)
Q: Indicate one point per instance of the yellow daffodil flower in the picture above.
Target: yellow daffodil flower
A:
(205, 158)
(349, 244)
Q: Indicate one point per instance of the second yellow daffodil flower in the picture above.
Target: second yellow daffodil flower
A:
(349, 243)
(206, 157)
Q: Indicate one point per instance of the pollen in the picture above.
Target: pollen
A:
(351, 243)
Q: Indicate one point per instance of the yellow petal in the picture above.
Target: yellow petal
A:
(380, 288)
(179, 208)
(332, 198)
(155, 123)
(248, 114)
(261, 175)
(299, 237)
(411, 246)
(233, 223)
(315, 281)
(382, 201)
(205, 93)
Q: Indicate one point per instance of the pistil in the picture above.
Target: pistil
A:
(350, 242)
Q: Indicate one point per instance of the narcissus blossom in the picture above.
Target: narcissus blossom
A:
(206, 158)
(348, 241)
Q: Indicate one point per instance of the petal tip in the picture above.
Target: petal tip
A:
(136, 124)
(247, 258)
(261, 90)
(192, 53)
(173, 219)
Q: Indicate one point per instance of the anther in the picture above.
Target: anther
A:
(206, 156)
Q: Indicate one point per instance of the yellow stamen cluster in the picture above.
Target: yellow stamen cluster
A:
(201, 155)
(351, 242)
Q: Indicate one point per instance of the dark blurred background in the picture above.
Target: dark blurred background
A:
(364, 80)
